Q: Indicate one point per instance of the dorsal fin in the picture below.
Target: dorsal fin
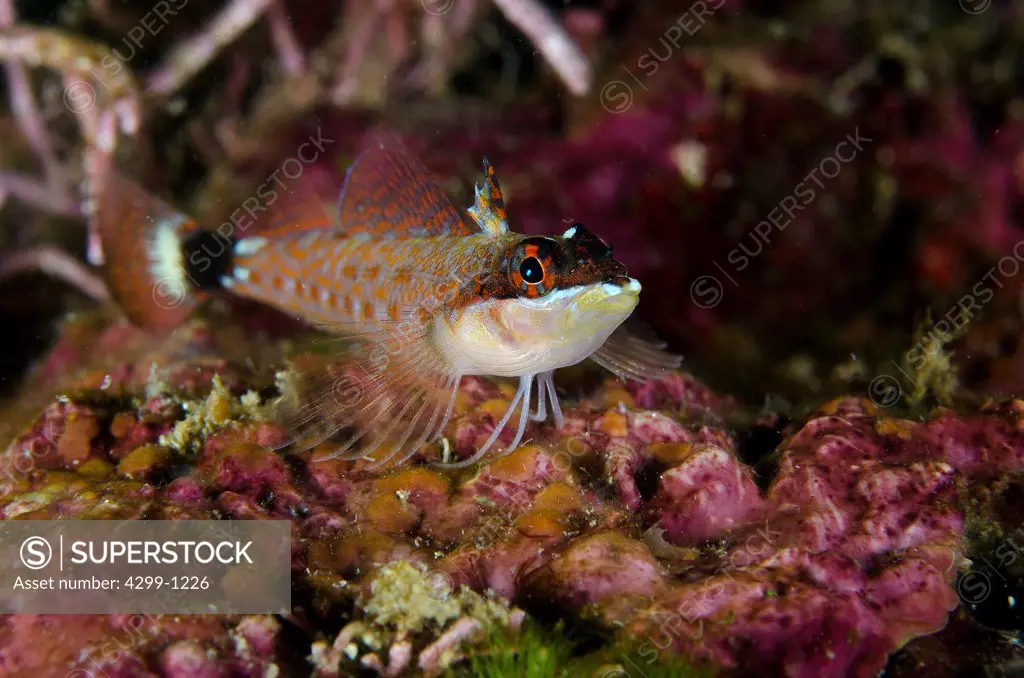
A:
(389, 193)
(489, 209)
(297, 209)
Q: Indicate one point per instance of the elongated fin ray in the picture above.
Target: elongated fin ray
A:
(520, 402)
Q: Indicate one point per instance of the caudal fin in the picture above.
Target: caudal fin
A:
(143, 242)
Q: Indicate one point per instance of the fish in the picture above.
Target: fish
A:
(426, 294)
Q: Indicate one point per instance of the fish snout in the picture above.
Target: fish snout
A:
(628, 285)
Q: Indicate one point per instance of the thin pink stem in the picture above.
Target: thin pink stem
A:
(551, 40)
(57, 263)
(359, 40)
(293, 62)
(27, 113)
(193, 54)
(38, 194)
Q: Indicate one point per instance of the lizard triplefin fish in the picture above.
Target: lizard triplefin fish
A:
(431, 296)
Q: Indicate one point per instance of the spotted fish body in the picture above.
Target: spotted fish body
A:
(427, 296)
(357, 282)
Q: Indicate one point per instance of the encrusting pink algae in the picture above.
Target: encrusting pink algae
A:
(638, 516)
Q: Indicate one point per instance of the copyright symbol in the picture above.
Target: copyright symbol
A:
(437, 7)
(973, 587)
(346, 392)
(616, 97)
(51, 429)
(439, 585)
(975, 6)
(36, 553)
(706, 291)
(612, 671)
(884, 390)
(169, 293)
(79, 96)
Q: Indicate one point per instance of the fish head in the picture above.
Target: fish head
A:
(551, 302)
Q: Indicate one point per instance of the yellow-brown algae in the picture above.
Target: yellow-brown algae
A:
(517, 466)
(389, 514)
(902, 428)
(75, 442)
(614, 423)
(670, 453)
(415, 482)
(95, 469)
(122, 424)
(341, 553)
(558, 497)
(495, 407)
(143, 460)
(616, 396)
(541, 523)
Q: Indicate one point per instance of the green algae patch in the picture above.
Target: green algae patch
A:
(930, 362)
(536, 651)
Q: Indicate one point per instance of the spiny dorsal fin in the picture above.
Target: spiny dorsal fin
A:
(489, 209)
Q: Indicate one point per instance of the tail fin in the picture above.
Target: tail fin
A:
(150, 250)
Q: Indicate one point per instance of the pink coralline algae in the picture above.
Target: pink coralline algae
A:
(638, 515)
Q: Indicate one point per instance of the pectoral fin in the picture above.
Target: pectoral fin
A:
(629, 356)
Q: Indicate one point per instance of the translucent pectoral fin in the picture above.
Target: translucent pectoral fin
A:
(629, 356)
(378, 401)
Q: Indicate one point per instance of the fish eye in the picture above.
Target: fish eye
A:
(532, 270)
(533, 266)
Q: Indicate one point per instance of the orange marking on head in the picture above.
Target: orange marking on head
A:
(348, 305)
(495, 313)
(368, 311)
(278, 283)
(381, 293)
(371, 272)
(348, 271)
(394, 311)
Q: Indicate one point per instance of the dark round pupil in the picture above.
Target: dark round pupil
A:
(531, 270)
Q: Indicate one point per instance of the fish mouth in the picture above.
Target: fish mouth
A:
(605, 302)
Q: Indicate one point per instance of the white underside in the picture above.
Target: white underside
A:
(534, 335)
